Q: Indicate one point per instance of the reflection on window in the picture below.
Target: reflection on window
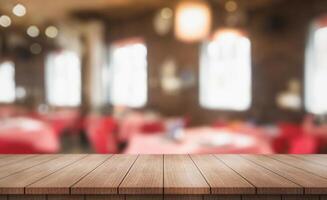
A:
(128, 74)
(63, 79)
(316, 71)
(7, 82)
(225, 72)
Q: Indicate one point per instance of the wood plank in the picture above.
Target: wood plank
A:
(264, 180)
(106, 178)
(16, 183)
(183, 197)
(3, 197)
(315, 158)
(65, 197)
(181, 176)
(21, 165)
(222, 197)
(261, 197)
(145, 177)
(9, 159)
(144, 197)
(292, 197)
(222, 179)
(27, 197)
(105, 197)
(61, 181)
(303, 164)
(312, 184)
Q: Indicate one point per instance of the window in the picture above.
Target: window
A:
(7, 82)
(225, 72)
(128, 74)
(316, 70)
(63, 79)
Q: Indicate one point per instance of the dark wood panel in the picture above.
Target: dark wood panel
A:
(222, 179)
(65, 197)
(262, 197)
(266, 181)
(105, 197)
(183, 197)
(106, 178)
(145, 177)
(300, 197)
(181, 176)
(61, 181)
(144, 197)
(16, 183)
(222, 197)
(27, 197)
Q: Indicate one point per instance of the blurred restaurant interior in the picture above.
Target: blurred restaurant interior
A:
(163, 76)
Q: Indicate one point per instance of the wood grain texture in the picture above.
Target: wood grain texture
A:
(144, 197)
(65, 197)
(222, 197)
(262, 197)
(315, 158)
(27, 197)
(303, 164)
(181, 176)
(16, 183)
(21, 165)
(183, 197)
(312, 184)
(104, 197)
(60, 181)
(9, 159)
(291, 197)
(106, 178)
(264, 180)
(145, 176)
(222, 179)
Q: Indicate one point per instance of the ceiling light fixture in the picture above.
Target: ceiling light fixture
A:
(19, 10)
(51, 31)
(33, 31)
(193, 20)
(5, 21)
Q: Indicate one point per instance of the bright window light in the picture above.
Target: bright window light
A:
(128, 74)
(225, 72)
(63, 79)
(7, 82)
(316, 71)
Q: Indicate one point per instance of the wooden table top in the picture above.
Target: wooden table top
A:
(163, 174)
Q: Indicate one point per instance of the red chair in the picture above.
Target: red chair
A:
(304, 144)
(100, 131)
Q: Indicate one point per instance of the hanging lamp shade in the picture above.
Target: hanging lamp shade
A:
(192, 20)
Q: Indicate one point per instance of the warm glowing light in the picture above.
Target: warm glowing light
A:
(231, 6)
(33, 31)
(193, 21)
(166, 13)
(19, 10)
(5, 21)
(51, 32)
